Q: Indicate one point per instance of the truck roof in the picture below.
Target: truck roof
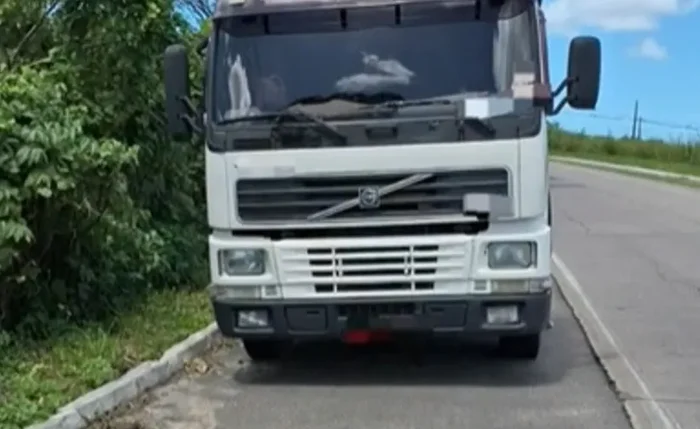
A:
(226, 8)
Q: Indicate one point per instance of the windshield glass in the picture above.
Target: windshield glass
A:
(257, 70)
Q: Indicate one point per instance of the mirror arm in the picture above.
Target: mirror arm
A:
(190, 105)
(559, 106)
(194, 126)
(561, 87)
(191, 123)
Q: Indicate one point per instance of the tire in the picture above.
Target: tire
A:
(264, 350)
(522, 347)
(549, 210)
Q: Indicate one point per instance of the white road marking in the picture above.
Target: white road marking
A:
(570, 282)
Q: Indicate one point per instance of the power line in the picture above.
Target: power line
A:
(641, 119)
(693, 128)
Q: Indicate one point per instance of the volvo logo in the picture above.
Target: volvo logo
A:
(369, 197)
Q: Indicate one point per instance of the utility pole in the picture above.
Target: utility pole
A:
(635, 120)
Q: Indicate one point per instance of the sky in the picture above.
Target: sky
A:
(651, 53)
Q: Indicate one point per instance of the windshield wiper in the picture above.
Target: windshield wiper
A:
(395, 105)
(353, 97)
(322, 127)
(482, 126)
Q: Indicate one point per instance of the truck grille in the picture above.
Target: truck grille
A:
(294, 199)
(385, 264)
(396, 264)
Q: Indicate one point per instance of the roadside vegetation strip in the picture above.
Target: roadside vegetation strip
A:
(642, 164)
(36, 379)
(678, 158)
(630, 169)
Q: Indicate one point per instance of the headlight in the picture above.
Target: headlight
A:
(512, 255)
(242, 262)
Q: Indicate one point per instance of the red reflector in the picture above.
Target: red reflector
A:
(364, 337)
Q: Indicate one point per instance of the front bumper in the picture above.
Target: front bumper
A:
(325, 319)
(349, 267)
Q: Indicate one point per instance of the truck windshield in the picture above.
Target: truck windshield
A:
(265, 65)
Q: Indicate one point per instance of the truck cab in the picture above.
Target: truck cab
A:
(378, 167)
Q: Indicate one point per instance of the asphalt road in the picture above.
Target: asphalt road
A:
(633, 247)
(444, 386)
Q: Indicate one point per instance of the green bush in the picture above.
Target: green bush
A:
(97, 206)
(68, 222)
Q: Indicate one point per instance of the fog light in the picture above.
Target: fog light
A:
(502, 314)
(253, 319)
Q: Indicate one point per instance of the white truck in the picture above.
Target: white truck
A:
(378, 167)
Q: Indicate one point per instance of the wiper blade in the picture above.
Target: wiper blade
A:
(279, 117)
(482, 126)
(392, 107)
(353, 97)
(395, 105)
(262, 117)
(323, 126)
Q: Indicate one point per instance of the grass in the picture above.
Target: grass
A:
(671, 180)
(682, 158)
(38, 378)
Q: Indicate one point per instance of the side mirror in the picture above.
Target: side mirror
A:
(583, 77)
(177, 91)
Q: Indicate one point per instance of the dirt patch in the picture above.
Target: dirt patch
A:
(188, 401)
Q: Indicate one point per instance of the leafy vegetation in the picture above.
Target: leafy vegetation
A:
(101, 216)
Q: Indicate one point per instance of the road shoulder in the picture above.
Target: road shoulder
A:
(643, 410)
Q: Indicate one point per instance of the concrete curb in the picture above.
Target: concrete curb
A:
(81, 412)
(627, 168)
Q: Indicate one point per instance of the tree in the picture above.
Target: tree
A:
(97, 206)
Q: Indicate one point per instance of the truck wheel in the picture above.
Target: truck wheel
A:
(525, 347)
(264, 350)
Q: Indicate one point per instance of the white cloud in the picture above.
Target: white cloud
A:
(570, 16)
(651, 49)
